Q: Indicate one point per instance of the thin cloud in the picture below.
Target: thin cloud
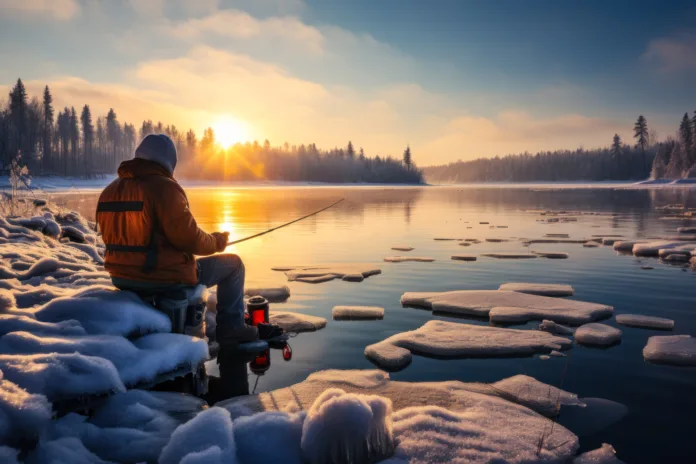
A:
(673, 55)
(61, 10)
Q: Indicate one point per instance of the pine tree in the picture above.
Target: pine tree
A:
(362, 154)
(87, 138)
(350, 151)
(47, 127)
(18, 114)
(407, 157)
(113, 133)
(616, 146)
(640, 132)
(686, 135)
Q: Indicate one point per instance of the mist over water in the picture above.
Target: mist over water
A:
(659, 425)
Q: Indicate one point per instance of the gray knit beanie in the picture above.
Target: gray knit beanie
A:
(158, 148)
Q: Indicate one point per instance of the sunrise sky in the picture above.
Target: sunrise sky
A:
(455, 79)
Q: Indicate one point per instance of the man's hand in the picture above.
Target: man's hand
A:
(222, 239)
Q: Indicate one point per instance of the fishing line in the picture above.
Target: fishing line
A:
(283, 225)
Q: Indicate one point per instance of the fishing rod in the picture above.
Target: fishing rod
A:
(284, 225)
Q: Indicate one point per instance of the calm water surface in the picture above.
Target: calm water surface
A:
(661, 399)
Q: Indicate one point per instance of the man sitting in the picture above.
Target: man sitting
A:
(151, 238)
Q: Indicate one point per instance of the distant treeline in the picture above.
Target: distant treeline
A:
(673, 158)
(72, 143)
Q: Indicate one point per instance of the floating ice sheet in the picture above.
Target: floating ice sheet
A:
(464, 257)
(324, 273)
(402, 248)
(450, 339)
(404, 259)
(604, 455)
(510, 255)
(357, 312)
(595, 334)
(551, 255)
(297, 322)
(648, 322)
(272, 294)
(539, 289)
(678, 350)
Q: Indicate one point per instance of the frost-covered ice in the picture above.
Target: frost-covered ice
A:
(450, 339)
(509, 255)
(626, 245)
(653, 248)
(595, 334)
(297, 322)
(464, 257)
(539, 289)
(648, 322)
(604, 455)
(357, 312)
(325, 273)
(542, 398)
(272, 294)
(678, 350)
(551, 255)
(404, 259)
(402, 248)
(508, 306)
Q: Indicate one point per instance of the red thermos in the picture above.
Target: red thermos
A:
(257, 306)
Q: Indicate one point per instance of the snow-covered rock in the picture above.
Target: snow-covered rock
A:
(357, 312)
(595, 334)
(678, 350)
(648, 322)
(558, 290)
(450, 339)
(518, 307)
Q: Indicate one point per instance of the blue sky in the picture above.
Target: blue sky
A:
(455, 79)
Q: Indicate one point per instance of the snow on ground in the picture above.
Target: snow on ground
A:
(508, 307)
(357, 312)
(648, 322)
(539, 289)
(405, 259)
(678, 350)
(23, 415)
(595, 334)
(351, 272)
(451, 339)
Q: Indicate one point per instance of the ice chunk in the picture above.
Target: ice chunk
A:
(22, 415)
(539, 289)
(509, 255)
(529, 307)
(353, 278)
(282, 435)
(106, 311)
(297, 322)
(345, 428)
(209, 431)
(316, 279)
(653, 248)
(595, 334)
(678, 350)
(10, 323)
(446, 239)
(604, 455)
(322, 273)
(464, 258)
(497, 240)
(551, 255)
(590, 244)
(609, 241)
(357, 312)
(63, 450)
(626, 245)
(557, 235)
(542, 398)
(465, 244)
(556, 329)
(272, 294)
(450, 339)
(402, 248)
(364, 379)
(649, 322)
(404, 259)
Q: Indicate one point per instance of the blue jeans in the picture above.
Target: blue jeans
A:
(227, 272)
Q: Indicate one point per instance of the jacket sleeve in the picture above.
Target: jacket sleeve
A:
(180, 228)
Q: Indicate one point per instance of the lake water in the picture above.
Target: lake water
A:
(661, 399)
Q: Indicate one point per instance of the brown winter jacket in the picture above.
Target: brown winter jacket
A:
(149, 232)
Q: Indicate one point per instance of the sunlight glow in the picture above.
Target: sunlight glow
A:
(229, 130)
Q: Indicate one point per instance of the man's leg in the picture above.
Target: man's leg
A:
(227, 272)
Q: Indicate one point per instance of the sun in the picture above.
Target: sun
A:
(229, 130)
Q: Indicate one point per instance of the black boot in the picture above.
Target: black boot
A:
(231, 338)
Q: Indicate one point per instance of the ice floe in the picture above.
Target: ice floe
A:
(595, 334)
(648, 322)
(297, 322)
(678, 350)
(556, 329)
(558, 290)
(405, 259)
(272, 294)
(604, 455)
(590, 244)
(451, 339)
(325, 273)
(508, 306)
(551, 255)
(402, 248)
(509, 255)
(357, 312)
(464, 257)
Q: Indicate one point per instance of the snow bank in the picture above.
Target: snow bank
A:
(297, 322)
(120, 313)
(22, 415)
(604, 455)
(518, 307)
(357, 312)
(61, 376)
(450, 339)
(678, 350)
(595, 334)
(62, 450)
(209, 437)
(649, 322)
(539, 289)
(404, 259)
(10, 323)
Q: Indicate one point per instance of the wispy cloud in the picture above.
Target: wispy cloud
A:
(673, 55)
(56, 9)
